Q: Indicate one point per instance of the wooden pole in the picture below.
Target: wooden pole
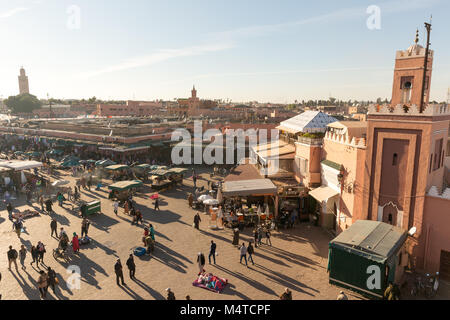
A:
(422, 97)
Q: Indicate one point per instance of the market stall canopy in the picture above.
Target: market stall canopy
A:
(144, 166)
(154, 167)
(248, 188)
(21, 165)
(55, 152)
(125, 185)
(70, 163)
(104, 163)
(33, 153)
(5, 170)
(323, 193)
(69, 158)
(275, 150)
(115, 167)
(308, 121)
(159, 172)
(177, 170)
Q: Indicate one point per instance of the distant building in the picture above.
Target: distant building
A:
(131, 108)
(327, 109)
(23, 82)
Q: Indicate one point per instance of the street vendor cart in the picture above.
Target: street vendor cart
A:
(89, 208)
(176, 174)
(118, 171)
(141, 171)
(160, 181)
(123, 189)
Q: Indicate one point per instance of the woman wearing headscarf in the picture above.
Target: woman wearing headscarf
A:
(75, 243)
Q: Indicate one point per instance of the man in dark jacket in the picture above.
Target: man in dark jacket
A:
(119, 272)
(131, 266)
(9, 208)
(12, 256)
(54, 228)
(212, 252)
(48, 205)
(51, 274)
(197, 220)
(170, 294)
(250, 252)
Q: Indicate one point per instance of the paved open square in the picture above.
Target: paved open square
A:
(297, 258)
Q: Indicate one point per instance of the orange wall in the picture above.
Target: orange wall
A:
(436, 235)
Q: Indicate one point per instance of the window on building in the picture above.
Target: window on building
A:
(437, 153)
(394, 159)
(431, 163)
(406, 87)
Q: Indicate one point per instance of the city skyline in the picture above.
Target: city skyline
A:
(250, 51)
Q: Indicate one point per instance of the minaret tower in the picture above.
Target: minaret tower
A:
(409, 77)
(23, 82)
(194, 92)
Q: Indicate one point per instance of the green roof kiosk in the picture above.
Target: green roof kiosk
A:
(367, 256)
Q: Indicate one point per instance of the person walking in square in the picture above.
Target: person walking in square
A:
(75, 243)
(157, 204)
(250, 252)
(243, 251)
(41, 252)
(51, 279)
(12, 257)
(60, 199)
(131, 266)
(119, 272)
(201, 262)
(22, 256)
(259, 236)
(42, 284)
(85, 227)
(116, 207)
(54, 227)
(41, 202)
(212, 252)
(255, 235)
(170, 294)
(18, 225)
(268, 242)
(9, 208)
(34, 255)
(197, 221)
(139, 218)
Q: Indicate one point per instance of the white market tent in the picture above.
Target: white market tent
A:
(308, 121)
(20, 165)
(252, 187)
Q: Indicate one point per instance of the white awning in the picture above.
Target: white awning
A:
(21, 165)
(323, 193)
(248, 188)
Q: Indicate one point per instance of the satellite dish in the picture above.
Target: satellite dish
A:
(412, 231)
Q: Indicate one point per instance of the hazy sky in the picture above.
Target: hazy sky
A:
(243, 50)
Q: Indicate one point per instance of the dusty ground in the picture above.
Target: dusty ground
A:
(297, 259)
